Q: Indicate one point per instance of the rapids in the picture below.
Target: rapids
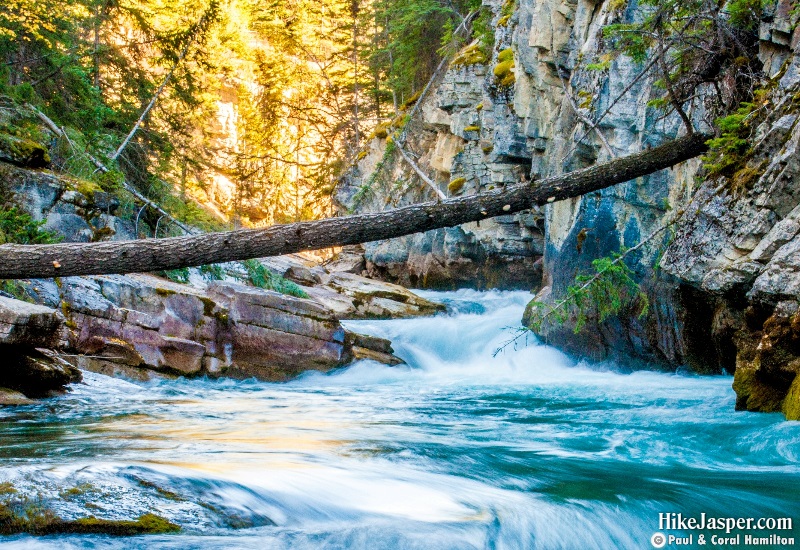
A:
(458, 449)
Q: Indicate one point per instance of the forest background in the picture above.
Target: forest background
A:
(227, 113)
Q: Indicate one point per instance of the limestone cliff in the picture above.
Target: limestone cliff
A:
(721, 272)
(465, 135)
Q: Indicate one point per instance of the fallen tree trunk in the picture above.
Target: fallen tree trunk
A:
(61, 260)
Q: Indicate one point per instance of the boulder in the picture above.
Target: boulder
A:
(349, 260)
(11, 397)
(25, 369)
(185, 356)
(30, 325)
(36, 373)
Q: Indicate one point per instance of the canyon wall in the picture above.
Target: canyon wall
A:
(719, 261)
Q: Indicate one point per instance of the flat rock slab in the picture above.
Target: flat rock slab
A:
(379, 300)
(29, 325)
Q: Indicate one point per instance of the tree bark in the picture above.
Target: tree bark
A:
(67, 259)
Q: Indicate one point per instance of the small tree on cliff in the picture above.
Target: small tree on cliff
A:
(693, 45)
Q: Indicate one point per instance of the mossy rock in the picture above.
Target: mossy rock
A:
(456, 185)
(41, 521)
(503, 70)
(470, 55)
(381, 131)
(752, 394)
(508, 80)
(791, 403)
(147, 524)
(23, 152)
(411, 101)
(506, 55)
(399, 122)
(88, 188)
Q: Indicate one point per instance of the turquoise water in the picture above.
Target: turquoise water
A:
(456, 450)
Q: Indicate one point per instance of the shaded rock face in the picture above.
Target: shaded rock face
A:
(768, 362)
(26, 371)
(459, 257)
(74, 216)
(743, 248)
(29, 325)
(23, 152)
(723, 280)
(465, 131)
(719, 280)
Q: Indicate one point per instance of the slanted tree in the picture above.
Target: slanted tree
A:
(35, 261)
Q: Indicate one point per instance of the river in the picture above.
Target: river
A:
(458, 449)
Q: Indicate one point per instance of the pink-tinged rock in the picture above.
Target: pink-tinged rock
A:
(113, 349)
(269, 299)
(147, 342)
(182, 355)
(274, 355)
(182, 315)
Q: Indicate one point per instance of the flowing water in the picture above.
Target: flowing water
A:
(456, 450)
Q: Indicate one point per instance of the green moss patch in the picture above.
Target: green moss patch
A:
(506, 55)
(456, 185)
(470, 55)
(791, 404)
(23, 152)
(261, 277)
(411, 101)
(504, 70)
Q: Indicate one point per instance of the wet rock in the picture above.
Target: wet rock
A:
(373, 348)
(34, 373)
(11, 397)
(185, 356)
(768, 364)
(360, 353)
(113, 349)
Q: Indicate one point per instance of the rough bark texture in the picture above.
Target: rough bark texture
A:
(60, 260)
